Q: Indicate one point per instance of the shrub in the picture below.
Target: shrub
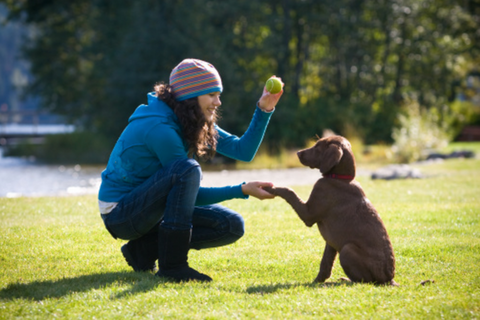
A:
(419, 130)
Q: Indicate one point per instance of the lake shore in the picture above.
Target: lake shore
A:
(24, 177)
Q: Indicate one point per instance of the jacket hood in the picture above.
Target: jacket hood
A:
(154, 108)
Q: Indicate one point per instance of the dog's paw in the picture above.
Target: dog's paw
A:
(321, 278)
(318, 280)
(269, 189)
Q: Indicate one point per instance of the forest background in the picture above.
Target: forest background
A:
(377, 70)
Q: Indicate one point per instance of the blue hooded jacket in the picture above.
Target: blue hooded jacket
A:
(153, 139)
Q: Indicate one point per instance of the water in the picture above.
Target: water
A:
(25, 177)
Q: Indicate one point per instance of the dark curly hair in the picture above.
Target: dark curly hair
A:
(200, 134)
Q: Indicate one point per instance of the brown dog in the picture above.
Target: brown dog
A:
(345, 217)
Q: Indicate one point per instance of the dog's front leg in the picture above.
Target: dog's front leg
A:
(297, 204)
(327, 264)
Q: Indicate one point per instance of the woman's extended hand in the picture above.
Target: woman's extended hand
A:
(268, 101)
(255, 189)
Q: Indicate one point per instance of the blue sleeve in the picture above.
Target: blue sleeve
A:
(245, 147)
(218, 194)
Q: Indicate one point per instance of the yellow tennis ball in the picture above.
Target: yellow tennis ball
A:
(273, 85)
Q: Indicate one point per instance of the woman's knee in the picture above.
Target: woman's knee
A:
(188, 168)
(237, 225)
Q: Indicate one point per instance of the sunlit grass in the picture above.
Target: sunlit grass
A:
(58, 261)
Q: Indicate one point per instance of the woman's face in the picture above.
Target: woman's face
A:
(209, 103)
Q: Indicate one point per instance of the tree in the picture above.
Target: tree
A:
(346, 64)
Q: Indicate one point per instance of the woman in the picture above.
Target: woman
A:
(150, 192)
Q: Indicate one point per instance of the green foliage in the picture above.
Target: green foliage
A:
(419, 131)
(58, 261)
(345, 63)
(72, 148)
(459, 113)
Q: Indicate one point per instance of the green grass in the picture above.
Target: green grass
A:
(58, 261)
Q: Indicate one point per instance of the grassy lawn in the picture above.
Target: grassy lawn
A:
(58, 261)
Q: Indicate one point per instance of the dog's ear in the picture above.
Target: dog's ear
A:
(331, 158)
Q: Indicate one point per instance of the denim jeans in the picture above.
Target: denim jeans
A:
(168, 198)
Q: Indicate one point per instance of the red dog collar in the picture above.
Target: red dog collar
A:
(339, 176)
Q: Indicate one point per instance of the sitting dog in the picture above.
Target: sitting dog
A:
(345, 217)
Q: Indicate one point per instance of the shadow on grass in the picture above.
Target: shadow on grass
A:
(266, 289)
(39, 290)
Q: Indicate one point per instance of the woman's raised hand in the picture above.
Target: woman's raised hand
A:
(268, 100)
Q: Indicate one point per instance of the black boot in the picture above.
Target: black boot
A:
(173, 248)
(142, 253)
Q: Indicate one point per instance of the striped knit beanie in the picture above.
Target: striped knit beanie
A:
(193, 78)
